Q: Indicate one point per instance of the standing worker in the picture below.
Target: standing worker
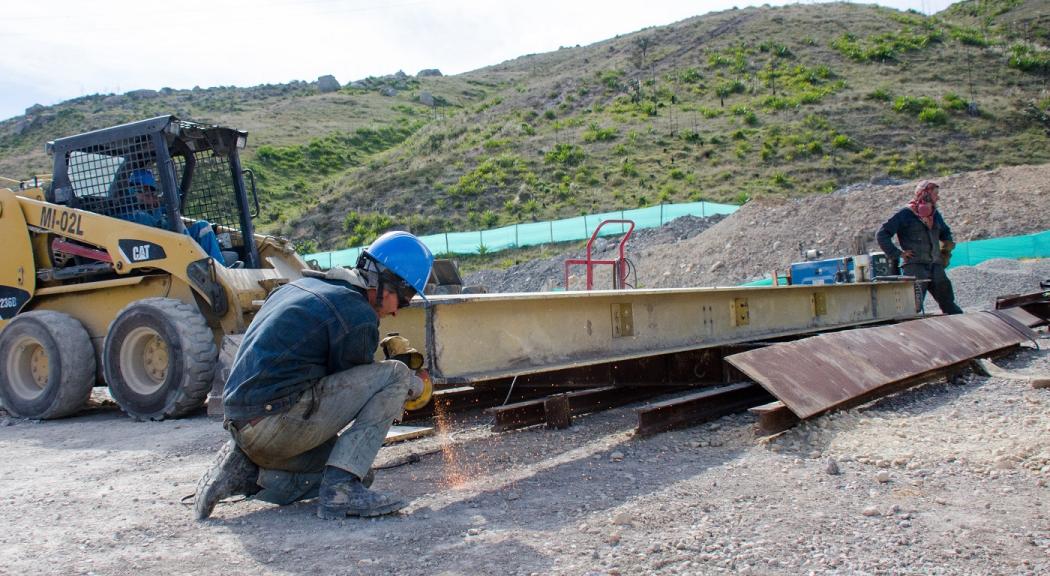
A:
(925, 243)
(303, 372)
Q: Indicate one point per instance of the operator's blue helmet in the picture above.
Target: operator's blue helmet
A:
(404, 255)
(142, 177)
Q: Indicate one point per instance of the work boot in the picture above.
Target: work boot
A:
(344, 494)
(231, 474)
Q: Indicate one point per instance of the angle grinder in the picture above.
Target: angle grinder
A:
(397, 347)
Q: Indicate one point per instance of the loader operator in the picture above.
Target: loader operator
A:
(925, 243)
(149, 212)
(303, 372)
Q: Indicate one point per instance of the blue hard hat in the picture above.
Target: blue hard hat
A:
(404, 255)
(142, 177)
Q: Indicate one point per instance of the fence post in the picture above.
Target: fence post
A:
(661, 213)
(702, 209)
(551, 222)
(516, 245)
(481, 240)
(447, 251)
(585, 226)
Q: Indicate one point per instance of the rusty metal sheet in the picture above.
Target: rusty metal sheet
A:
(823, 372)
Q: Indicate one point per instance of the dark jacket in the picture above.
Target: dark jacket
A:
(306, 330)
(913, 235)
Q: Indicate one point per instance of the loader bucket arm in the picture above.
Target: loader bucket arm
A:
(18, 274)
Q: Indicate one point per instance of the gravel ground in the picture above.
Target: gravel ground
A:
(949, 478)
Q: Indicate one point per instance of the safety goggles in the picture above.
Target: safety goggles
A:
(405, 292)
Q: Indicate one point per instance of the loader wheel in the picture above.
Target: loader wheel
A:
(48, 365)
(159, 359)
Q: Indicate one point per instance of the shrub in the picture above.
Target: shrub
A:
(842, 141)
(691, 76)
(595, 133)
(610, 78)
(879, 94)
(969, 36)
(1027, 58)
(953, 102)
(913, 105)
(780, 179)
(934, 116)
(564, 154)
(748, 115)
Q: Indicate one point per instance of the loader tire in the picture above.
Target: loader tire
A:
(159, 359)
(48, 365)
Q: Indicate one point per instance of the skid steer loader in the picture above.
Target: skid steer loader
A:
(89, 293)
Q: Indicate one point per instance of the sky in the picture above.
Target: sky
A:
(55, 50)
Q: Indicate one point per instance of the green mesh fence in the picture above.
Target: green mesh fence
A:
(976, 251)
(533, 233)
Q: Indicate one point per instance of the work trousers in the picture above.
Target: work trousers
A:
(939, 286)
(294, 447)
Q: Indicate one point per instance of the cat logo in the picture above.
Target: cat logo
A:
(136, 251)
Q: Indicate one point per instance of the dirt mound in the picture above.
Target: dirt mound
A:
(765, 235)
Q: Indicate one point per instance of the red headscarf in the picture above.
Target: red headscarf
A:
(925, 201)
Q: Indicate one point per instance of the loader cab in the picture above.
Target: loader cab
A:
(195, 172)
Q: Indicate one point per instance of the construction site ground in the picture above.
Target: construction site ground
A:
(950, 478)
(947, 478)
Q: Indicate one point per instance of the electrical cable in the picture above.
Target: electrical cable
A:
(509, 390)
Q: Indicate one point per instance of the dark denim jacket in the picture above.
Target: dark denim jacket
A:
(915, 236)
(306, 330)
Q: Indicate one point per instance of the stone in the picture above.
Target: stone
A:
(388, 91)
(328, 83)
(832, 467)
(623, 519)
(428, 72)
(870, 511)
(616, 456)
(426, 98)
(882, 476)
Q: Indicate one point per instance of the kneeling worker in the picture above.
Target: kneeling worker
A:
(304, 371)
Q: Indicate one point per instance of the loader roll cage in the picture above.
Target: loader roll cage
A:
(196, 169)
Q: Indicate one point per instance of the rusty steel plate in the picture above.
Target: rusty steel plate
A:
(820, 373)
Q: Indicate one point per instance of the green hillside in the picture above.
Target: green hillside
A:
(726, 107)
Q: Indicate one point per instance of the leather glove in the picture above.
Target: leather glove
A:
(415, 387)
(946, 252)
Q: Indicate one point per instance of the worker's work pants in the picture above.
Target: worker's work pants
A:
(939, 286)
(293, 448)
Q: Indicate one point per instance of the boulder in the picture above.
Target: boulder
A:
(34, 109)
(142, 94)
(426, 98)
(388, 91)
(428, 72)
(328, 83)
